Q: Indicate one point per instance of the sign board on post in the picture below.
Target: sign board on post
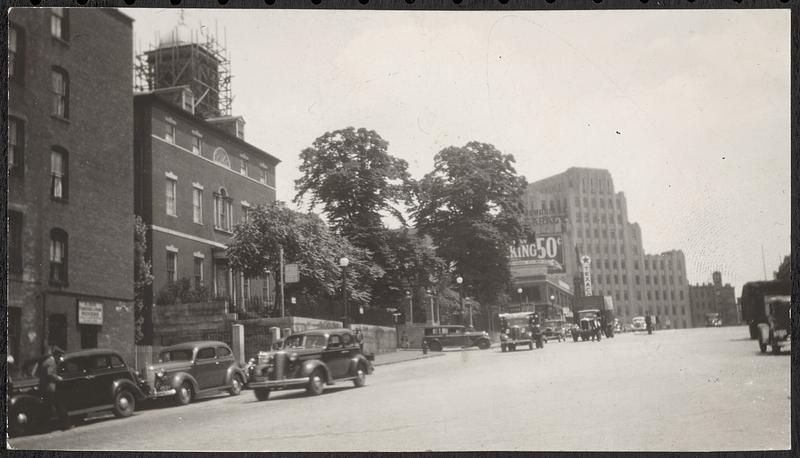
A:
(292, 273)
(90, 313)
(546, 250)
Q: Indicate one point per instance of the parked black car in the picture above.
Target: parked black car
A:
(439, 336)
(193, 369)
(310, 360)
(777, 331)
(92, 380)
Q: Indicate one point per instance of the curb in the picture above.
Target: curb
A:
(429, 355)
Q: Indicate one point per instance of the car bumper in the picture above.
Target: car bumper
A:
(155, 394)
(277, 383)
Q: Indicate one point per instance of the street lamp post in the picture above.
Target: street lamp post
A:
(410, 315)
(519, 293)
(553, 304)
(460, 282)
(344, 262)
(470, 314)
(432, 317)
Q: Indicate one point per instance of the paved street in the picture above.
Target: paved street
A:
(695, 389)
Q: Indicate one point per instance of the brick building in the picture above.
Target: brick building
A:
(195, 178)
(713, 297)
(70, 188)
(582, 207)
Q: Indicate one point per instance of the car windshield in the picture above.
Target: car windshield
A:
(175, 355)
(305, 341)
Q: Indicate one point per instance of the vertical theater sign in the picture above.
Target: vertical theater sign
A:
(586, 266)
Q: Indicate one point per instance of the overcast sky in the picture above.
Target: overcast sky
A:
(689, 110)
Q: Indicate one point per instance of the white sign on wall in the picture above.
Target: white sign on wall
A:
(90, 312)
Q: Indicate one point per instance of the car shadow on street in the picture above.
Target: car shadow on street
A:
(282, 395)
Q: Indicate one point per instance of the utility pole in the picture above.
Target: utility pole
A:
(282, 282)
(763, 263)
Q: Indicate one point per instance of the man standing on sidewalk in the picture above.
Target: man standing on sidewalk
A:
(48, 378)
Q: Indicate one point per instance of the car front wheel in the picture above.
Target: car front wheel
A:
(484, 344)
(184, 394)
(316, 383)
(24, 420)
(361, 377)
(124, 403)
(236, 385)
(435, 346)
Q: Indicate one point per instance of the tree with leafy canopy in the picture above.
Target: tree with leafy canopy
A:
(143, 278)
(350, 173)
(410, 264)
(306, 240)
(471, 205)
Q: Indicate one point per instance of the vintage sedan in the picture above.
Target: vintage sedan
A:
(437, 337)
(310, 360)
(91, 381)
(193, 369)
(554, 330)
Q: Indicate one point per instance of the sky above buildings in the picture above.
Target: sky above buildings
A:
(689, 110)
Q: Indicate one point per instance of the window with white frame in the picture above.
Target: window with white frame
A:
(171, 196)
(223, 209)
(58, 23)
(60, 88)
(243, 167)
(264, 175)
(172, 266)
(240, 128)
(197, 205)
(221, 157)
(58, 256)
(187, 100)
(169, 133)
(245, 212)
(58, 173)
(199, 265)
(197, 145)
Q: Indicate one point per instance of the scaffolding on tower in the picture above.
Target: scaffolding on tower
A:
(188, 58)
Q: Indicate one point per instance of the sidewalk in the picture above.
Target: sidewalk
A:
(401, 356)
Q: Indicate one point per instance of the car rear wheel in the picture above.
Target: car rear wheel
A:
(124, 403)
(361, 376)
(762, 346)
(236, 385)
(484, 344)
(262, 394)
(776, 349)
(503, 348)
(316, 383)
(436, 346)
(184, 394)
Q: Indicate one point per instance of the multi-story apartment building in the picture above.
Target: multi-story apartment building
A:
(582, 205)
(713, 297)
(196, 177)
(70, 188)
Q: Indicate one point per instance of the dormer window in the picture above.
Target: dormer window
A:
(187, 100)
(240, 128)
(221, 157)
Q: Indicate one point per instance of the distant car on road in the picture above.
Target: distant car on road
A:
(92, 380)
(589, 327)
(713, 320)
(638, 323)
(438, 337)
(554, 329)
(310, 360)
(193, 369)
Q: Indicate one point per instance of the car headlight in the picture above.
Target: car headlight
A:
(293, 357)
(160, 373)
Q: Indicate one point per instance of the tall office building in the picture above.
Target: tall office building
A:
(582, 207)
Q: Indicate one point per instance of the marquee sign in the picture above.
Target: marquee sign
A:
(586, 263)
(546, 250)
